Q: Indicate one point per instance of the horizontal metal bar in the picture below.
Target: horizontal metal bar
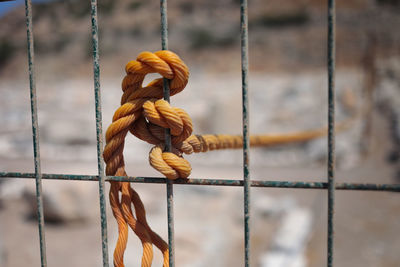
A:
(212, 182)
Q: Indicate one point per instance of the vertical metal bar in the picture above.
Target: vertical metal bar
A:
(170, 189)
(99, 132)
(35, 132)
(246, 143)
(331, 127)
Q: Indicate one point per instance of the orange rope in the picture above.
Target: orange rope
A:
(125, 119)
(146, 115)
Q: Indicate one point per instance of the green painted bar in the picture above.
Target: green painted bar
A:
(166, 92)
(331, 128)
(245, 127)
(99, 132)
(35, 132)
(211, 182)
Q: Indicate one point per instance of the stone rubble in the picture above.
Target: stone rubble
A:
(279, 104)
(290, 241)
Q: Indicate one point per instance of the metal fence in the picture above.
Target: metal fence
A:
(246, 182)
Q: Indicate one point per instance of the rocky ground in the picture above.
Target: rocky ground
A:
(288, 226)
(209, 222)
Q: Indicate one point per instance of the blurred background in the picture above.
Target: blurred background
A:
(288, 93)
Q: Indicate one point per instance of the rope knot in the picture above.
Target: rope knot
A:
(146, 115)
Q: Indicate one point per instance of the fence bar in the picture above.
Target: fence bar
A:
(170, 189)
(35, 132)
(245, 117)
(211, 182)
(99, 131)
(331, 127)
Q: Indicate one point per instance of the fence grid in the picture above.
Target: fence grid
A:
(246, 182)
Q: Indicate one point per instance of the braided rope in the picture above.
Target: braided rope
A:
(146, 115)
(128, 117)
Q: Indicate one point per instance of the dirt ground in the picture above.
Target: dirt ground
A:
(366, 223)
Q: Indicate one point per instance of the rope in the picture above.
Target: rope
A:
(144, 114)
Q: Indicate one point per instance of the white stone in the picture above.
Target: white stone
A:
(289, 244)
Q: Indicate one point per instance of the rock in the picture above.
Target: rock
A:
(70, 131)
(12, 188)
(64, 201)
(289, 244)
(269, 206)
(388, 95)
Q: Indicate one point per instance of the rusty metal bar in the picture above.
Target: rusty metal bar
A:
(331, 128)
(245, 127)
(35, 131)
(212, 182)
(99, 132)
(170, 189)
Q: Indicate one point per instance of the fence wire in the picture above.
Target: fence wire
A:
(35, 131)
(246, 182)
(331, 126)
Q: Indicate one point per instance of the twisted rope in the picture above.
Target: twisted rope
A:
(146, 115)
(128, 117)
